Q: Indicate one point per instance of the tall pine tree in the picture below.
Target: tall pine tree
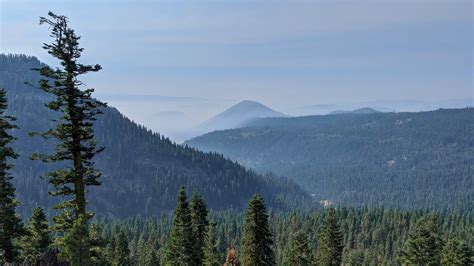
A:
(10, 223)
(257, 239)
(180, 248)
(74, 132)
(330, 242)
(38, 237)
(423, 244)
(198, 209)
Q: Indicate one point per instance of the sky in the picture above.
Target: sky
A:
(185, 61)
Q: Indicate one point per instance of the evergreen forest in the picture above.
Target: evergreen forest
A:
(81, 184)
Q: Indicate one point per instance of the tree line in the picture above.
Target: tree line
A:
(193, 235)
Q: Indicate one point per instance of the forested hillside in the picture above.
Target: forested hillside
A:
(402, 160)
(142, 170)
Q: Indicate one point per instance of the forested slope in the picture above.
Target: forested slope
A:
(371, 236)
(403, 160)
(142, 170)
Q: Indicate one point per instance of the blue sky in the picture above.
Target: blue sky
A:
(285, 54)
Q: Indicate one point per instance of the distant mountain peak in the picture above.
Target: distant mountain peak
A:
(249, 102)
(237, 115)
(252, 106)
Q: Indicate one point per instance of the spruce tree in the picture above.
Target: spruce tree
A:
(75, 244)
(98, 244)
(330, 242)
(181, 244)
(257, 239)
(141, 251)
(38, 237)
(298, 251)
(11, 227)
(73, 132)
(110, 249)
(211, 251)
(423, 244)
(152, 259)
(198, 209)
(122, 251)
(151, 249)
(456, 252)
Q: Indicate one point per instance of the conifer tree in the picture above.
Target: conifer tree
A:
(211, 251)
(257, 239)
(11, 227)
(152, 259)
(456, 252)
(38, 237)
(423, 244)
(141, 251)
(122, 251)
(299, 250)
(198, 209)
(76, 246)
(151, 249)
(181, 244)
(110, 249)
(74, 133)
(330, 242)
(98, 244)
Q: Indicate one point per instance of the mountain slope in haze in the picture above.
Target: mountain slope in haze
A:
(142, 170)
(403, 160)
(238, 115)
(361, 111)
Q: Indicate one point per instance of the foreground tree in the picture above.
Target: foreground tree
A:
(74, 133)
(198, 210)
(38, 237)
(257, 239)
(330, 242)
(456, 252)
(10, 223)
(423, 244)
(181, 244)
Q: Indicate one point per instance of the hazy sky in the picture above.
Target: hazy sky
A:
(194, 58)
